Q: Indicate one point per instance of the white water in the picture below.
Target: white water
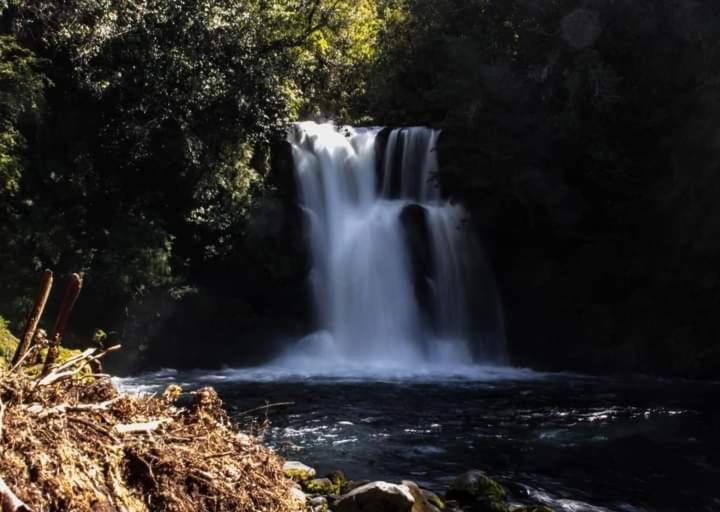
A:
(376, 306)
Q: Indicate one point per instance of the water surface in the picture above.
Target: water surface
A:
(574, 442)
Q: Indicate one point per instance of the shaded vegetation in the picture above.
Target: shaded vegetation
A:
(8, 344)
(141, 144)
(141, 154)
(580, 136)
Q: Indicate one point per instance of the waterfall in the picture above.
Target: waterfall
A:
(391, 264)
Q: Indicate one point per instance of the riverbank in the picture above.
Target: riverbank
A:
(473, 491)
(71, 440)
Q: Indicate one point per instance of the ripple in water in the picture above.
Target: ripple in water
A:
(579, 444)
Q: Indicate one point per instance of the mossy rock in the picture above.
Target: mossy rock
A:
(9, 343)
(321, 486)
(337, 477)
(298, 471)
(533, 508)
(479, 491)
(434, 499)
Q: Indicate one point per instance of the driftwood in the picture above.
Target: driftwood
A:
(72, 292)
(146, 426)
(9, 502)
(44, 412)
(35, 316)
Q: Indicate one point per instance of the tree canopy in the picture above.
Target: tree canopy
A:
(141, 143)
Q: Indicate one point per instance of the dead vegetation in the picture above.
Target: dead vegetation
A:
(73, 442)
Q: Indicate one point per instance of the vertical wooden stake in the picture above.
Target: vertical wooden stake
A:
(35, 316)
(72, 292)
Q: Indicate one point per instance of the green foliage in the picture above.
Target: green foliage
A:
(581, 137)
(21, 90)
(148, 167)
(8, 343)
(136, 136)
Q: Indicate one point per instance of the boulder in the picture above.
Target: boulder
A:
(421, 502)
(479, 492)
(318, 504)
(298, 471)
(434, 499)
(376, 497)
(298, 497)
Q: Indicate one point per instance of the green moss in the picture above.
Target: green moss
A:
(321, 486)
(8, 344)
(298, 471)
(435, 500)
(478, 488)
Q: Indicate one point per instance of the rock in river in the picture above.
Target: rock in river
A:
(376, 497)
(298, 471)
(422, 504)
(478, 491)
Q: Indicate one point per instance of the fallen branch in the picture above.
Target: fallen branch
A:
(148, 426)
(60, 373)
(9, 502)
(96, 428)
(44, 412)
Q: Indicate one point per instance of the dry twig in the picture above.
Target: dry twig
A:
(71, 443)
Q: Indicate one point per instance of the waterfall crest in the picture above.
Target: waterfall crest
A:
(391, 266)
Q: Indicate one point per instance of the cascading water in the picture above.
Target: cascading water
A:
(390, 262)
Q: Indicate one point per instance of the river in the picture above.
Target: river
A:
(577, 443)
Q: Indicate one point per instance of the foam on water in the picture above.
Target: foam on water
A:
(301, 371)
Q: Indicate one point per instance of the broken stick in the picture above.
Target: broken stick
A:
(72, 292)
(35, 316)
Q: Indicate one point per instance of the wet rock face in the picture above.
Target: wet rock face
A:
(417, 235)
(376, 497)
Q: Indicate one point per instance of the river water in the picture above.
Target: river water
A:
(574, 442)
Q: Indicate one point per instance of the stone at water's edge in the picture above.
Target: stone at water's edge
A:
(434, 499)
(322, 486)
(298, 496)
(376, 497)
(318, 503)
(350, 485)
(421, 502)
(298, 471)
(478, 491)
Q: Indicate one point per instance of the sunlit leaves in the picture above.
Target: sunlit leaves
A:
(21, 88)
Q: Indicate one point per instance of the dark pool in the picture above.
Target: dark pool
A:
(577, 443)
